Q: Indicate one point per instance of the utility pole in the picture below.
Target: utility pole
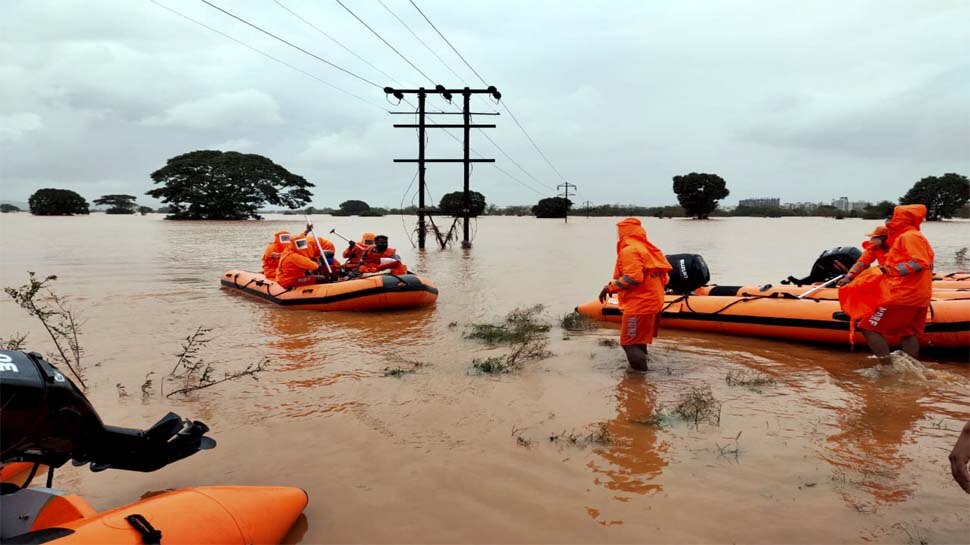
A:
(466, 159)
(587, 208)
(565, 187)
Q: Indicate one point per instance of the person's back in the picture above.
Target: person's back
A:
(295, 266)
(909, 262)
(273, 252)
(645, 291)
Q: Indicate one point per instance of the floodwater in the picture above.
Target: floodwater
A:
(830, 453)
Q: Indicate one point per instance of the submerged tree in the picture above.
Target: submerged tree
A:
(698, 193)
(352, 208)
(117, 204)
(943, 195)
(553, 207)
(218, 185)
(453, 203)
(57, 202)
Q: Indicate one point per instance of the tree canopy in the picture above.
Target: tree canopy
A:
(57, 202)
(352, 208)
(216, 185)
(4, 208)
(943, 195)
(118, 204)
(698, 193)
(453, 203)
(553, 207)
(145, 210)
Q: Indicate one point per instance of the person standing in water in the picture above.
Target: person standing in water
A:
(874, 251)
(639, 280)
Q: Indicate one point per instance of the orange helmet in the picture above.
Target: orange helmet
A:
(879, 231)
(367, 239)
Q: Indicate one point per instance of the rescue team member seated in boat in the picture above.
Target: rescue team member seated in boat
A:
(381, 258)
(355, 250)
(296, 266)
(874, 251)
(328, 250)
(274, 250)
(907, 274)
(639, 279)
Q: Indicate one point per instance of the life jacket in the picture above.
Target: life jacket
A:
(640, 271)
(371, 261)
(274, 250)
(355, 253)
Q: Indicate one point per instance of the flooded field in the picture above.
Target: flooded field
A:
(572, 448)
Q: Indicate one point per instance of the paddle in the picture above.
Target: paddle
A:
(323, 256)
(334, 232)
(816, 288)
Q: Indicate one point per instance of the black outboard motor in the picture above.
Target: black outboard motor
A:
(830, 263)
(689, 273)
(45, 419)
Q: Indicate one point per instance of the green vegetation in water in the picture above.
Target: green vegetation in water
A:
(520, 326)
(407, 368)
(575, 321)
(748, 378)
(493, 365)
(660, 418)
(14, 342)
(699, 405)
(608, 343)
(594, 434)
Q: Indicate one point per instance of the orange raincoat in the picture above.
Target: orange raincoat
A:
(271, 255)
(295, 264)
(370, 262)
(909, 263)
(871, 253)
(353, 254)
(640, 273)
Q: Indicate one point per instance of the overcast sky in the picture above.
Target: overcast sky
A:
(800, 100)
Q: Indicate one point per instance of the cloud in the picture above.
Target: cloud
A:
(221, 111)
(13, 127)
(235, 144)
(335, 148)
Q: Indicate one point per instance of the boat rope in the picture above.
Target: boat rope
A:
(149, 535)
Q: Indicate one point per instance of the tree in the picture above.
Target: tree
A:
(943, 195)
(553, 207)
(119, 204)
(4, 208)
(57, 202)
(878, 211)
(144, 210)
(352, 208)
(453, 203)
(216, 185)
(698, 193)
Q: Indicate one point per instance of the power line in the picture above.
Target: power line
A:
(381, 38)
(504, 105)
(480, 78)
(418, 38)
(334, 40)
(516, 163)
(294, 46)
(268, 56)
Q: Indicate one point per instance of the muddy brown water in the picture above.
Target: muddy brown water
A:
(827, 454)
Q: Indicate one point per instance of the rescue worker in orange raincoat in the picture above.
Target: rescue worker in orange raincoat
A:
(908, 277)
(355, 250)
(639, 280)
(328, 252)
(873, 251)
(296, 267)
(274, 250)
(381, 258)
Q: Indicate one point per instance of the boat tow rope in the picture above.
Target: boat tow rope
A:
(744, 299)
(149, 535)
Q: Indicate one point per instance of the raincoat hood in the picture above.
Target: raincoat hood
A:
(905, 218)
(277, 240)
(367, 236)
(305, 242)
(631, 231)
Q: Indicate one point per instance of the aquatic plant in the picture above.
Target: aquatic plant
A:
(748, 378)
(699, 405)
(194, 372)
(60, 321)
(575, 321)
(493, 365)
(594, 434)
(608, 343)
(519, 326)
(14, 342)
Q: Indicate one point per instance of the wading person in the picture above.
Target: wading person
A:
(296, 268)
(381, 258)
(274, 250)
(874, 251)
(639, 278)
(355, 251)
(905, 286)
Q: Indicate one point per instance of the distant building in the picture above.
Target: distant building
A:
(858, 206)
(807, 206)
(772, 202)
(842, 203)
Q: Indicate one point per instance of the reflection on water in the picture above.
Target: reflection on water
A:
(633, 459)
(824, 443)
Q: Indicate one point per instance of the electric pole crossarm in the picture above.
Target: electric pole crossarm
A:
(446, 113)
(442, 126)
(444, 160)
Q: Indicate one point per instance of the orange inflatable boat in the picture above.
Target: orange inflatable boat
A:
(378, 292)
(777, 312)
